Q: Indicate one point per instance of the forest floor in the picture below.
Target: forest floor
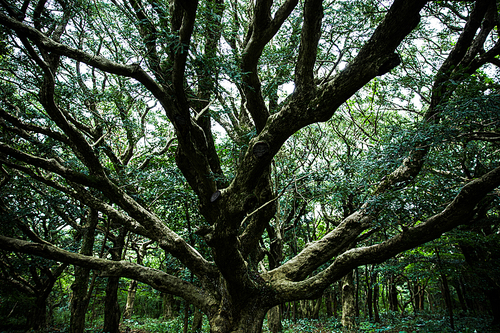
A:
(391, 324)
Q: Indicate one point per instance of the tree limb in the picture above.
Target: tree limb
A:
(153, 277)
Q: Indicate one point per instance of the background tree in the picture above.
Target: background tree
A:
(113, 105)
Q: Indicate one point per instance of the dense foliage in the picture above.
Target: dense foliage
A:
(216, 165)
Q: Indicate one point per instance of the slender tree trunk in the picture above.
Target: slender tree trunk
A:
(369, 293)
(79, 300)
(375, 299)
(197, 321)
(274, 320)
(38, 314)
(420, 297)
(356, 290)
(348, 303)
(392, 294)
(328, 304)
(111, 308)
(81, 295)
(447, 299)
(446, 290)
(186, 317)
(316, 307)
(460, 295)
(167, 305)
(129, 306)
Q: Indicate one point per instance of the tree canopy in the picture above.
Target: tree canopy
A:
(266, 147)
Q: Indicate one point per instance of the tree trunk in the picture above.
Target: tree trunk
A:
(38, 314)
(447, 299)
(446, 290)
(369, 293)
(168, 300)
(111, 308)
(129, 307)
(81, 295)
(274, 320)
(356, 291)
(197, 321)
(328, 303)
(460, 294)
(79, 300)
(238, 318)
(186, 317)
(348, 303)
(420, 297)
(480, 262)
(375, 298)
(392, 294)
(317, 307)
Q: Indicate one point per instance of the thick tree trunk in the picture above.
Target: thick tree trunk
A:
(348, 303)
(234, 319)
(129, 306)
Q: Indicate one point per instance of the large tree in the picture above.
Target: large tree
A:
(86, 87)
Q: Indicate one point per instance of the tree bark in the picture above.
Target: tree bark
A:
(38, 313)
(392, 293)
(129, 306)
(375, 298)
(328, 303)
(167, 306)
(274, 320)
(348, 303)
(235, 297)
(111, 307)
(369, 293)
(447, 299)
(445, 290)
(79, 300)
(197, 321)
(81, 296)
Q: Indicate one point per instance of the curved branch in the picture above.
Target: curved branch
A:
(460, 211)
(311, 32)
(375, 58)
(153, 277)
(262, 30)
